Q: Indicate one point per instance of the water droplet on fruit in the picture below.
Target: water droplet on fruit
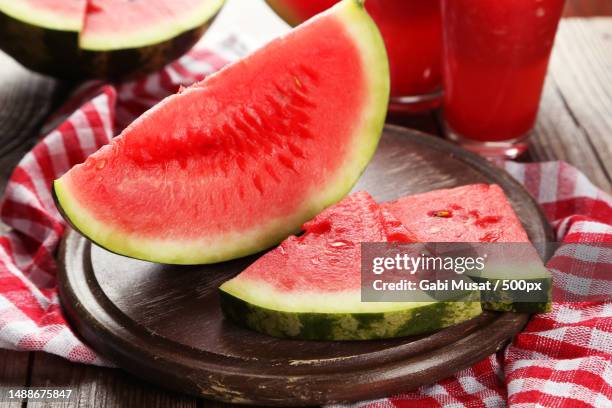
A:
(339, 244)
(100, 165)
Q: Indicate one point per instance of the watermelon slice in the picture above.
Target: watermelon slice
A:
(473, 213)
(310, 286)
(235, 164)
(101, 38)
(476, 213)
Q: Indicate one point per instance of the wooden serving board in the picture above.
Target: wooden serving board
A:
(163, 323)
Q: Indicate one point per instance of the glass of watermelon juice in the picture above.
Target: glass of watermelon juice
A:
(412, 33)
(495, 57)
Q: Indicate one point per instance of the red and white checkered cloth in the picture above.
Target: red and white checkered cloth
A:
(562, 358)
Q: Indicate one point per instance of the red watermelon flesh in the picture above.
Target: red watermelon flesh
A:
(237, 163)
(121, 24)
(54, 14)
(81, 39)
(473, 213)
(309, 287)
(482, 213)
(116, 24)
(327, 256)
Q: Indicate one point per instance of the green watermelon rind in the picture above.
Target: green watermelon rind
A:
(32, 47)
(238, 244)
(52, 48)
(514, 301)
(413, 319)
(510, 301)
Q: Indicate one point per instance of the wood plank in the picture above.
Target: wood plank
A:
(575, 121)
(100, 387)
(588, 8)
(13, 372)
(426, 122)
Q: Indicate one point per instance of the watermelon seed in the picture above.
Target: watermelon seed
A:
(303, 132)
(241, 163)
(242, 125)
(299, 99)
(260, 115)
(252, 119)
(299, 115)
(280, 89)
(100, 165)
(441, 214)
(271, 172)
(258, 184)
(296, 151)
(286, 161)
(266, 146)
(278, 110)
(309, 72)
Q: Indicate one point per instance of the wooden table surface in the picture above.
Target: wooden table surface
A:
(574, 124)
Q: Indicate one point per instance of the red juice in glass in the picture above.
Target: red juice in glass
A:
(495, 57)
(412, 33)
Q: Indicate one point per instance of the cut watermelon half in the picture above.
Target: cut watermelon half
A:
(235, 164)
(310, 286)
(478, 213)
(101, 38)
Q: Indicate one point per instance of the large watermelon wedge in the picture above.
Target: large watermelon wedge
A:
(235, 164)
(101, 38)
(310, 286)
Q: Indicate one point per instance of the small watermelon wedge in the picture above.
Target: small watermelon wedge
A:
(472, 213)
(235, 164)
(78, 39)
(477, 213)
(309, 287)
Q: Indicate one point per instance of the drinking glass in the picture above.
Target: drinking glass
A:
(495, 57)
(412, 33)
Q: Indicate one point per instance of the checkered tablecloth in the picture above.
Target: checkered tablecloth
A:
(561, 358)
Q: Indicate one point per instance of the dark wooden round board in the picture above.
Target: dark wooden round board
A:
(163, 323)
